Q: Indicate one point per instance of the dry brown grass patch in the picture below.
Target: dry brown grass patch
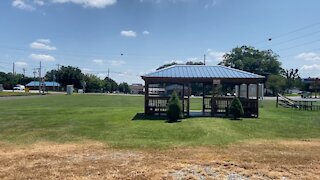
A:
(94, 160)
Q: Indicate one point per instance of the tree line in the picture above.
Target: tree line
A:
(68, 75)
(262, 62)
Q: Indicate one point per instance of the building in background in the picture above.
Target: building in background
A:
(312, 85)
(47, 85)
(136, 89)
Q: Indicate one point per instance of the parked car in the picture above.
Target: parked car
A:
(306, 95)
(19, 87)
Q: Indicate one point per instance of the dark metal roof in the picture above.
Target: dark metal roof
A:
(47, 83)
(201, 71)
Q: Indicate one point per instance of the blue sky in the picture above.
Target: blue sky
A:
(92, 34)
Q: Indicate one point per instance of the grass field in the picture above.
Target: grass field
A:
(7, 94)
(108, 119)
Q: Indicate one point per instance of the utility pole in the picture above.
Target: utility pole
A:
(34, 78)
(204, 59)
(108, 73)
(40, 78)
(13, 72)
(24, 72)
(13, 77)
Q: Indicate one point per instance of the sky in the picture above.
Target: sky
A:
(134, 37)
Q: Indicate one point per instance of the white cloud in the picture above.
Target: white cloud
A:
(311, 67)
(102, 75)
(41, 57)
(98, 61)
(128, 33)
(148, 71)
(38, 2)
(214, 55)
(116, 62)
(210, 4)
(169, 1)
(22, 4)
(193, 59)
(43, 44)
(45, 41)
(146, 32)
(21, 64)
(205, 3)
(89, 3)
(86, 70)
(110, 62)
(122, 74)
(308, 56)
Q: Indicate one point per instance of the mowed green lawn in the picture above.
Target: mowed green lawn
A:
(7, 94)
(108, 119)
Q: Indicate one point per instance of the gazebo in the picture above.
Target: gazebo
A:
(212, 79)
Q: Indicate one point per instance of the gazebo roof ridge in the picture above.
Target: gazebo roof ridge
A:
(209, 71)
(239, 70)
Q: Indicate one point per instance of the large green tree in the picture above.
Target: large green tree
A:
(9, 80)
(93, 83)
(110, 85)
(124, 87)
(292, 78)
(252, 60)
(167, 65)
(276, 83)
(67, 75)
(194, 63)
(175, 63)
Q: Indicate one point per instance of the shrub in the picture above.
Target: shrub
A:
(174, 109)
(236, 108)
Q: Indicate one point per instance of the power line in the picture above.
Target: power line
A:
(306, 43)
(288, 33)
(293, 39)
(296, 30)
(293, 54)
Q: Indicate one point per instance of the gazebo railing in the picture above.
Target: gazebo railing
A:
(158, 104)
(221, 105)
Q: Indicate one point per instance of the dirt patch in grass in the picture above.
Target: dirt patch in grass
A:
(93, 160)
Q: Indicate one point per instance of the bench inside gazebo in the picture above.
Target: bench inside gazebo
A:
(160, 84)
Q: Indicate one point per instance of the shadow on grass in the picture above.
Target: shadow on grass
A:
(144, 117)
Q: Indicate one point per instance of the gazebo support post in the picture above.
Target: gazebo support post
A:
(188, 102)
(183, 99)
(247, 91)
(203, 96)
(213, 102)
(257, 107)
(146, 97)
